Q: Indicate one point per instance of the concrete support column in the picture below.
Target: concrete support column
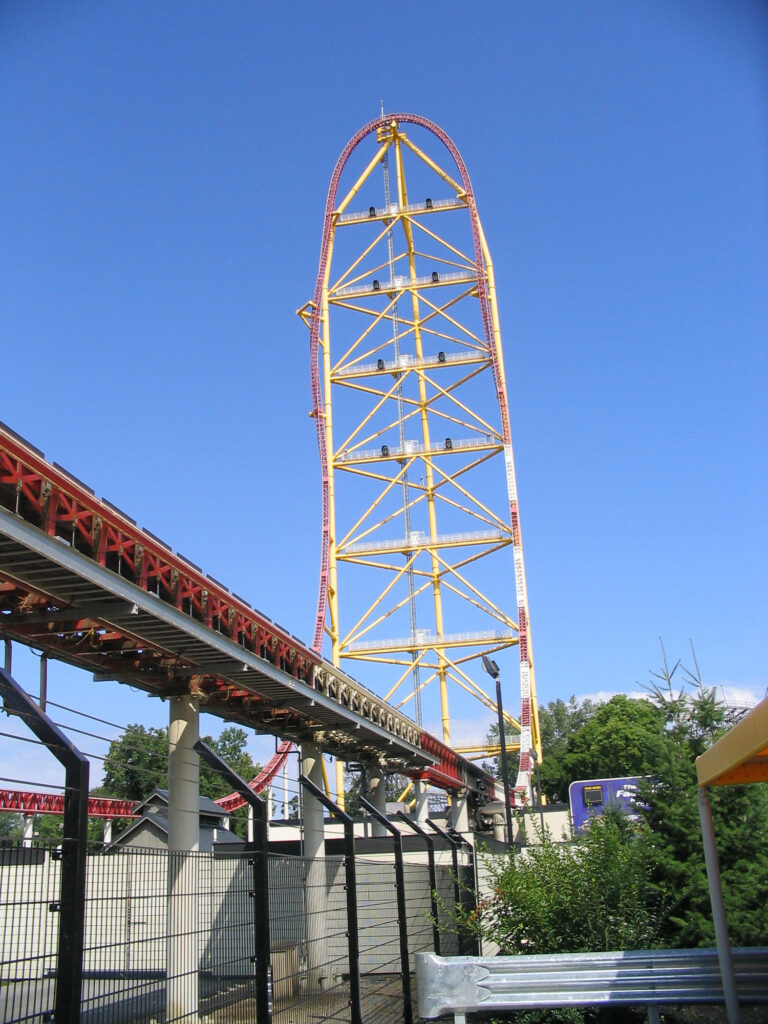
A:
(107, 833)
(421, 808)
(499, 823)
(318, 974)
(460, 811)
(183, 845)
(29, 830)
(377, 794)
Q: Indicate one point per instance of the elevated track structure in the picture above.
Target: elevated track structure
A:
(82, 583)
(422, 572)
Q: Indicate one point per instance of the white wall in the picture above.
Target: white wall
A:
(125, 923)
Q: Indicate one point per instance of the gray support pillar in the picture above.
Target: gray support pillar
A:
(250, 832)
(377, 791)
(107, 833)
(183, 845)
(460, 811)
(314, 852)
(499, 823)
(421, 809)
(29, 830)
(718, 909)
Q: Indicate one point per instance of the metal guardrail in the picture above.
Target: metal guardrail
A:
(394, 210)
(394, 451)
(419, 538)
(424, 638)
(401, 282)
(467, 984)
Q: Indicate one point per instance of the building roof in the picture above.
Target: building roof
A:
(205, 804)
(741, 755)
(159, 822)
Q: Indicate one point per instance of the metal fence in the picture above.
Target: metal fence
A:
(125, 971)
(119, 934)
(30, 888)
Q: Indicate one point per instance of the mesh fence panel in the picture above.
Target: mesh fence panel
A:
(379, 940)
(125, 928)
(29, 927)
(308, 929)
(446, 893)
(203, 934)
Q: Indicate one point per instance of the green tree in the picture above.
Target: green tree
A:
(694, 719)
(659, 739)
(588, 896)
(558, 720)
(137, 763)
(618, 738)
(11, 826)
(48, 828)
(587, 740)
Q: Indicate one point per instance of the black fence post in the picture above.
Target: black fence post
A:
(69, 971)
(468, 946)
(353, 930)
(432, 877)
(405, 962)
(260, 894)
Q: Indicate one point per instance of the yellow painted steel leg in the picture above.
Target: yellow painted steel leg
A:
(385, 358)
(340, 795)
(402, 194)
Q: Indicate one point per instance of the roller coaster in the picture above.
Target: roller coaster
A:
(83, 583)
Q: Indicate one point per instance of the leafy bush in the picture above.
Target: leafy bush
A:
(588, 896)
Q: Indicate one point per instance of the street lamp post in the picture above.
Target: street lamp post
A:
(535, 757)
(492, 669)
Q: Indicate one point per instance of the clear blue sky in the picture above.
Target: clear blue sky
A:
(164, 171)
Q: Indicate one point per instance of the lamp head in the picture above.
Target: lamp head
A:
(490, 667)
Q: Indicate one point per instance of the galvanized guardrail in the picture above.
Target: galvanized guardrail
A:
(464, 985)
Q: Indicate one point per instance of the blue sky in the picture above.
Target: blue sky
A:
(164, 171)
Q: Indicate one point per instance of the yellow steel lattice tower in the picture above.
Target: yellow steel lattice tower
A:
(422, 566)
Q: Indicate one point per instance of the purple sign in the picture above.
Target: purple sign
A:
(591, 796)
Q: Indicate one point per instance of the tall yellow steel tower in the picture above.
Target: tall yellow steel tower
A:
(422, 566)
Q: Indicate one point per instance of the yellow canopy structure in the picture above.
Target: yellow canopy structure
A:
(741, 755)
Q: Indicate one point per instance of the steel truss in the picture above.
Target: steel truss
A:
(419, 494)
